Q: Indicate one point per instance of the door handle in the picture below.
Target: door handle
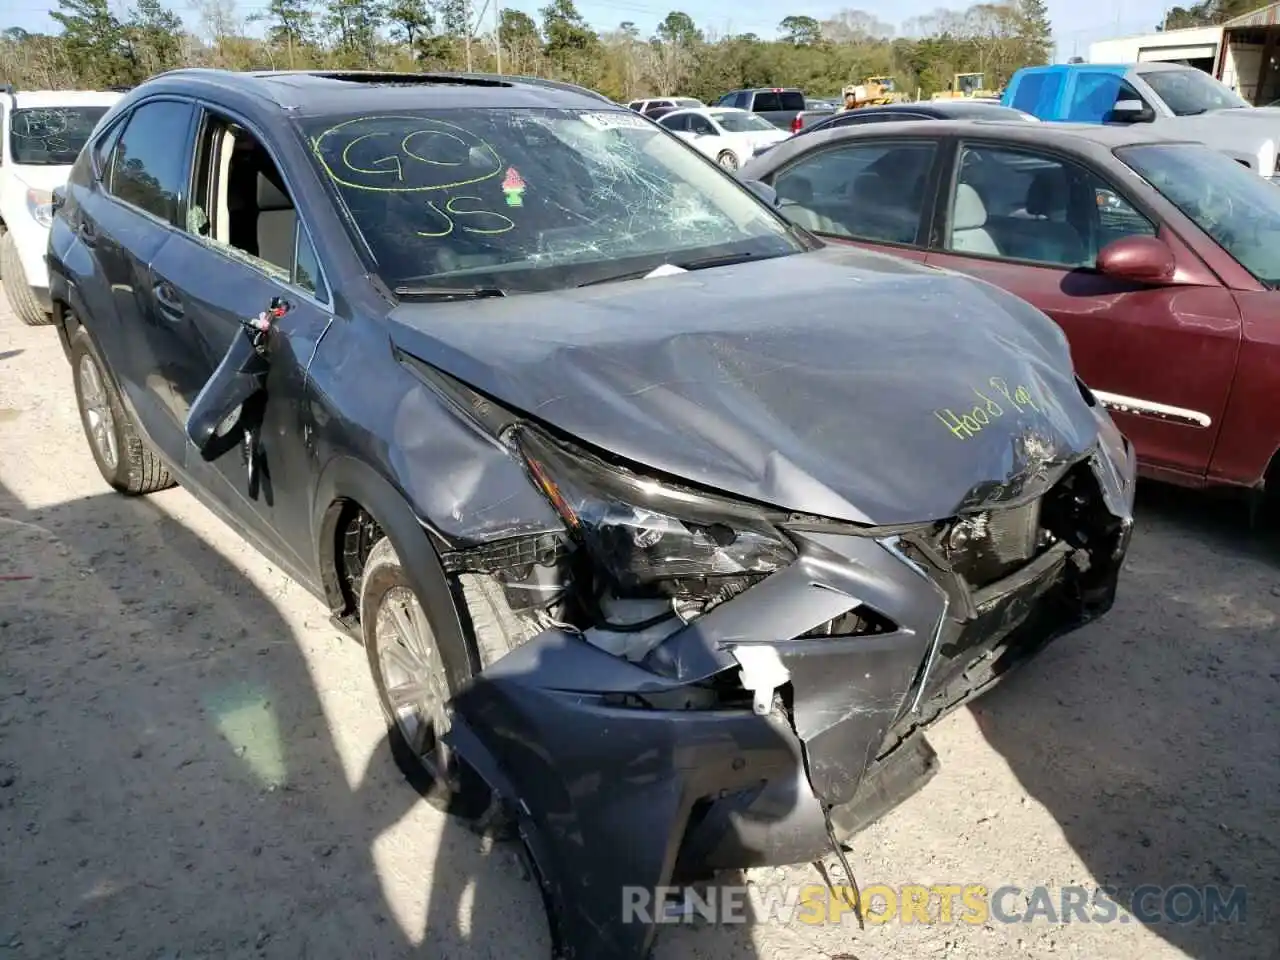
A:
(87, 233)
(167, 297)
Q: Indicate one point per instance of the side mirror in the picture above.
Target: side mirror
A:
(218, 408)
(240, 379)
(1139, 259)
(764, 192)
(1132, 111)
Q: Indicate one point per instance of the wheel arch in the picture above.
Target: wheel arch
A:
(1269, 487)
(348, 488)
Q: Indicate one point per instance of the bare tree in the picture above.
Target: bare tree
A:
(856, 26)
(219, 22)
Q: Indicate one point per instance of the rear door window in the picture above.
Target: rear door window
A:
(1037, 93)
(148, 168)
(872, 191)
(700, 125)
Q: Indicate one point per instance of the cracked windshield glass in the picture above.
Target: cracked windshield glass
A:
(527, 200)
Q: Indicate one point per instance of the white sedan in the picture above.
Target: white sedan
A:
(728, 135)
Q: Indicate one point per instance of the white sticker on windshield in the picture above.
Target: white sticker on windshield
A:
(664, 270)
(614, 120)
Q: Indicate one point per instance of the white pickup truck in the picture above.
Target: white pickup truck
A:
(1179, 102)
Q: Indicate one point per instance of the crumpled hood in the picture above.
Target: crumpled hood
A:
(839, 383)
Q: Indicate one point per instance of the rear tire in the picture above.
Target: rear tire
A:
(124, 459)
(16, 289)
(728, 159)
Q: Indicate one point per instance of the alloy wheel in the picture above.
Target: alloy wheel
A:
(728, 161)
(413, 674)
(99, 421)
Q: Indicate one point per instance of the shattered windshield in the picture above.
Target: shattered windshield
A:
(51, 136)
(1189, 92)
(524, 199)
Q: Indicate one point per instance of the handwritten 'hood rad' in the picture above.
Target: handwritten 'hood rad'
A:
(841, 383)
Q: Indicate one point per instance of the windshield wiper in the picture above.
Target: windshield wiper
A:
(698, 263)
(449, 293)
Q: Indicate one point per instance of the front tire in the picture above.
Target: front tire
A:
(124, 459)
(413, 688)
(728, 159)
(16, 289)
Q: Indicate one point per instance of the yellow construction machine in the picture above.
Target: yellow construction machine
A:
(871, 92)
(966, 85)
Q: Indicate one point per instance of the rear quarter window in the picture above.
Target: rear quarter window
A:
(791, 101)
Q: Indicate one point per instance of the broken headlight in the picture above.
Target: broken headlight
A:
(1119, 463)
(650, 539)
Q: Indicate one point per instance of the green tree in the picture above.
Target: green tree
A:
(291, 24)
(94, 39)
(1035, 33)
(454, 17)
(153, 38)
(800, 31)
(679, 28)
(516, 27)
(354, 26)
(94, 47)
(410, 21)
(521, 42)
(571, 45)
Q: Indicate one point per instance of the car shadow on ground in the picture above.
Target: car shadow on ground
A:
(1151, 736)
(171, 782)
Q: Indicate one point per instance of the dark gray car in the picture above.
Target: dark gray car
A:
(667, 528)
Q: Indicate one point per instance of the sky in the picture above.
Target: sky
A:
(1076, 23)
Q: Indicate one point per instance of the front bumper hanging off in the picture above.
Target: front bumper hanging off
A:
(638, 775)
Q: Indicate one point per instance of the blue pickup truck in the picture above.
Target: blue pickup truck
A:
(1181, 103)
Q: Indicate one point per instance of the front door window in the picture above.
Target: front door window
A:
(1018, 204)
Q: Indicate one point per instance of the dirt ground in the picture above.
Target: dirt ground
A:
(192, 762)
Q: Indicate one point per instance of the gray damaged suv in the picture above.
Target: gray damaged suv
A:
(667, 528)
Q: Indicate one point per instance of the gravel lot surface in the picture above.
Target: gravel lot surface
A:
(192, 762)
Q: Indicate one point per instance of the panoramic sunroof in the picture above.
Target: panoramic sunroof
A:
(408, 79)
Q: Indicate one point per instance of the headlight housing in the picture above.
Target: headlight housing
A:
(650, 539)
(40, 206)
